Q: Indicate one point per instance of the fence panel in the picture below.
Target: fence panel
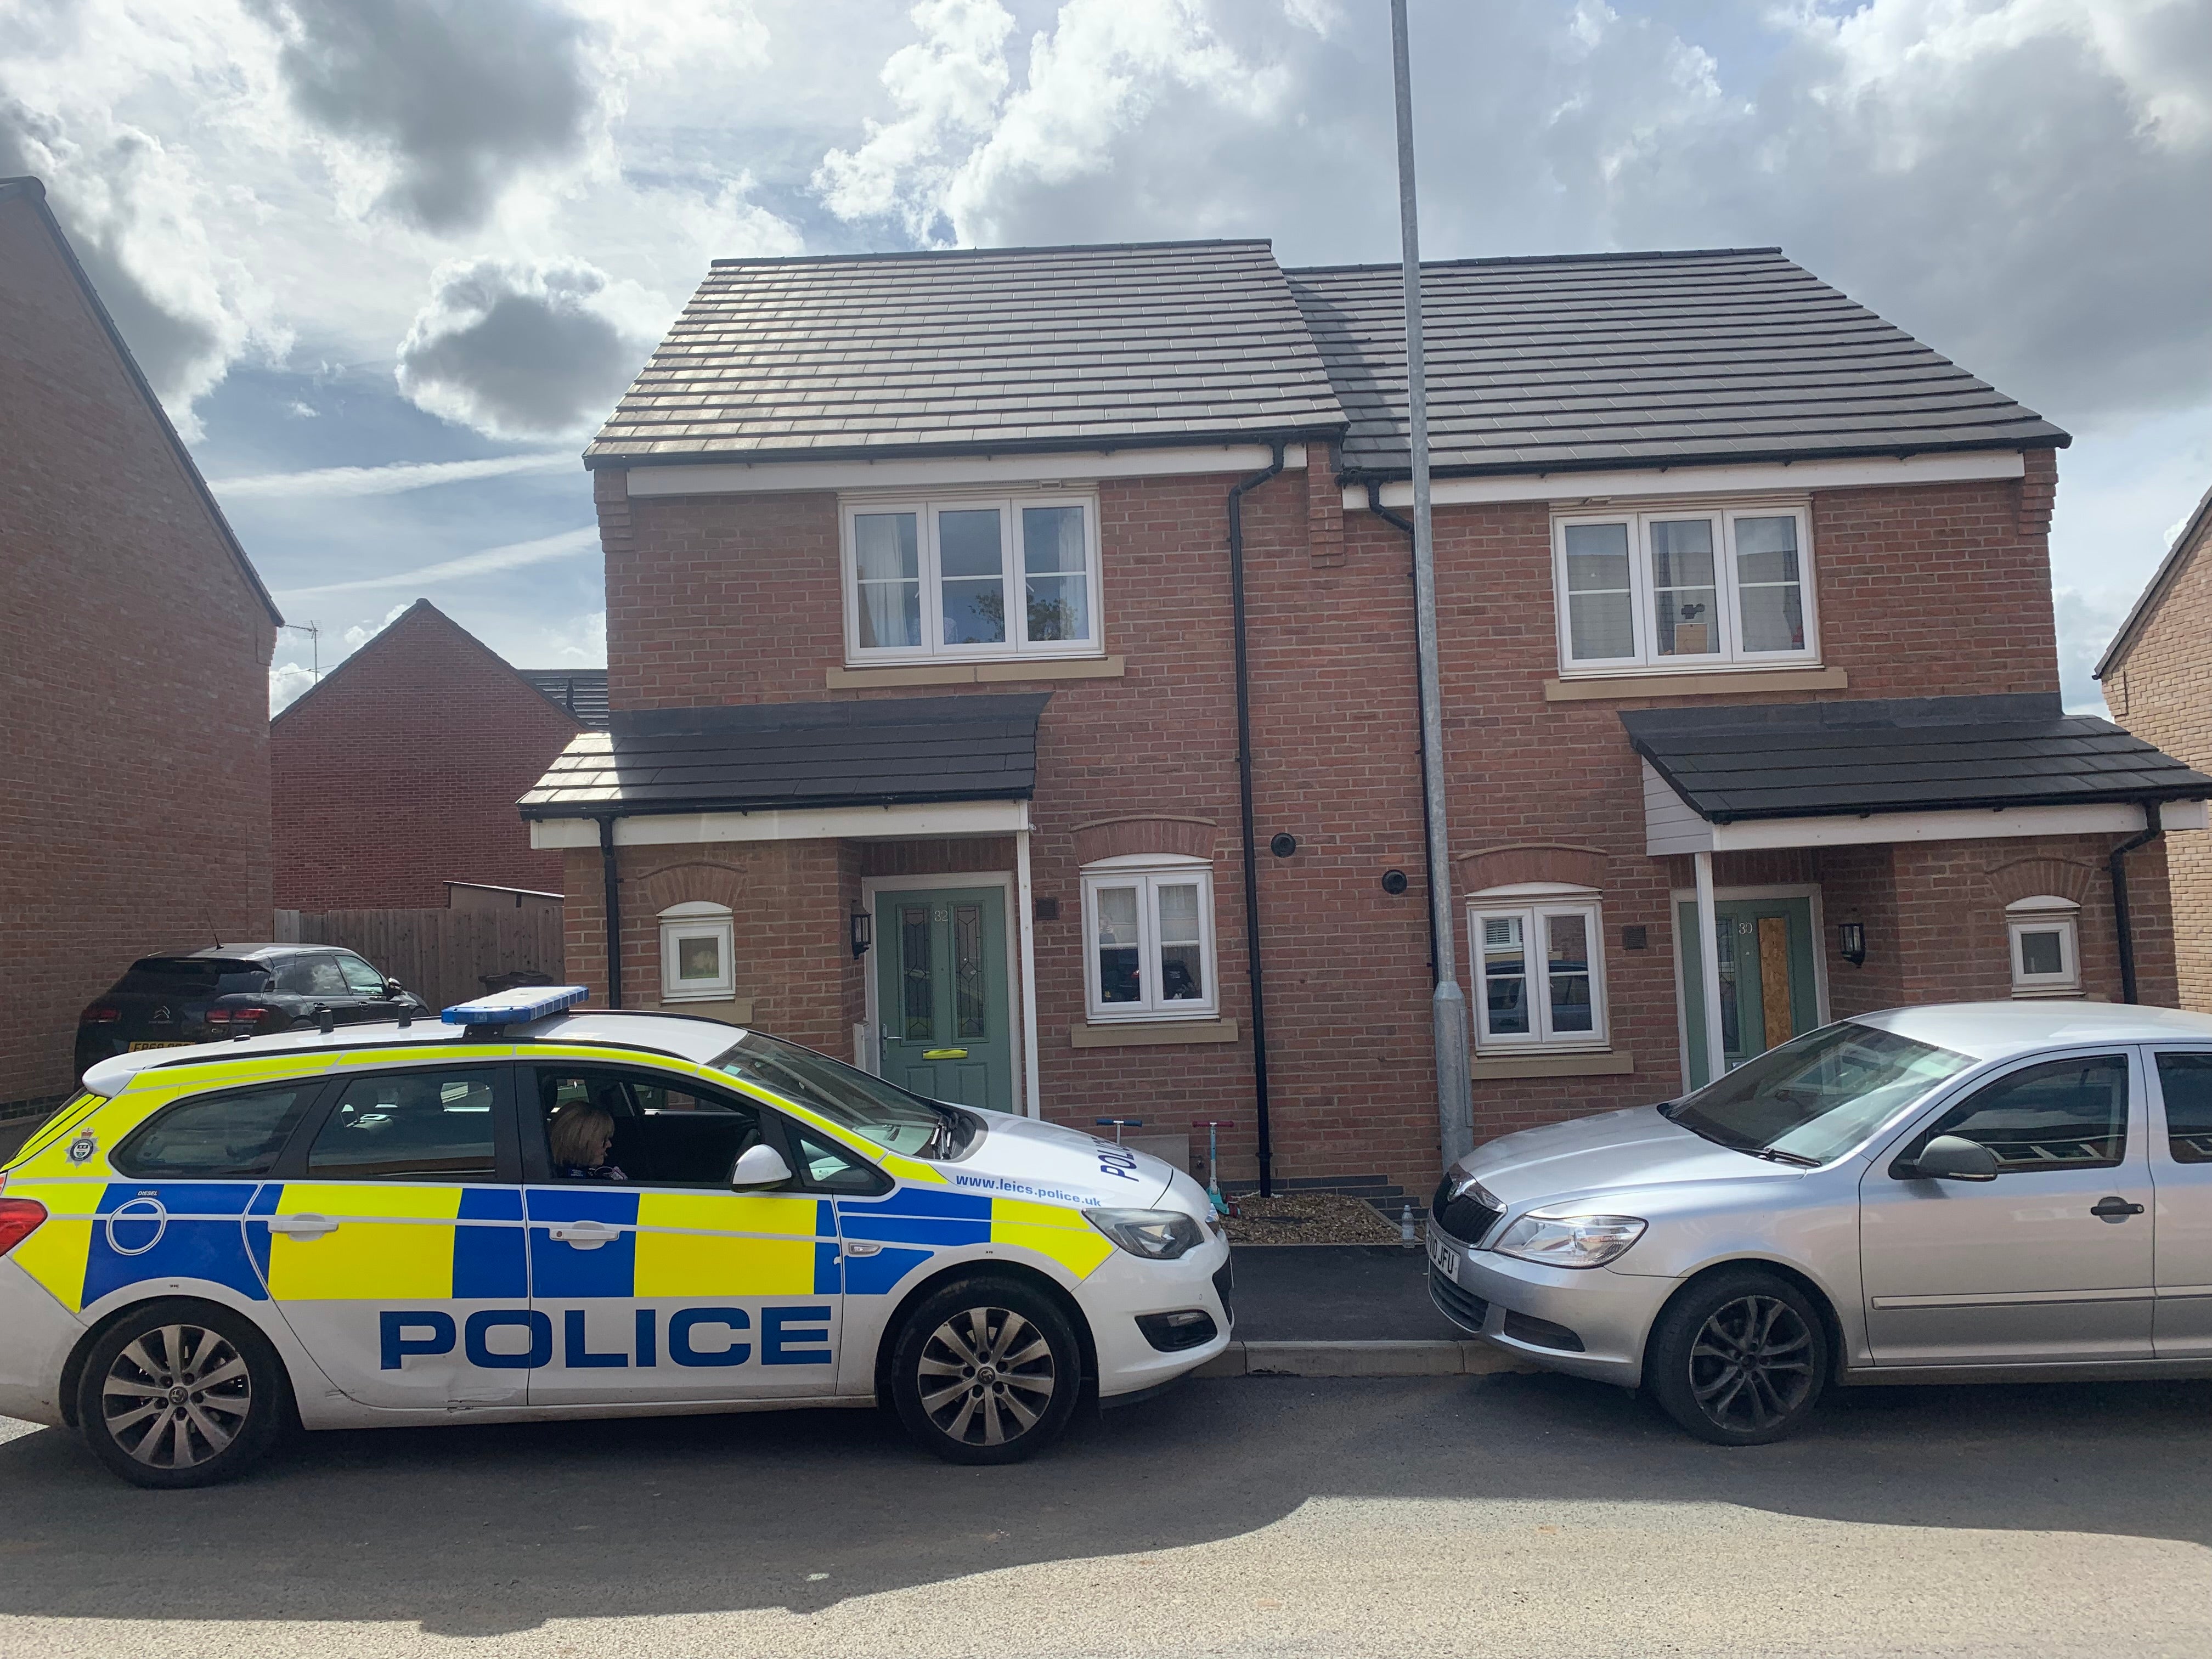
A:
(442, 956)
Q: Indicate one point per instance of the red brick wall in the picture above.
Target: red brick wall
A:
(1925, 590)
(134, 660)
(400, 773)
(2160, 687)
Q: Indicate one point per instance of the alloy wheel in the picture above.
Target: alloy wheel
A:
(1750, 1366)
(987, 1377)
(176, 1396)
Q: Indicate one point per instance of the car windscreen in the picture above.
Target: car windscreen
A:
(189, 976)
(1818, 1095)
(884, 1112)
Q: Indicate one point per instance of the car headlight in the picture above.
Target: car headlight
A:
(1570, 1241)
(1155, 1235)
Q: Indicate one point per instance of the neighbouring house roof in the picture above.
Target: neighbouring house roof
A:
(876, 752)
(424, 615)
(33, 191)
(2154, 595)
(1900, 755)
(999, 349)
(580, 692)
(1639, 360)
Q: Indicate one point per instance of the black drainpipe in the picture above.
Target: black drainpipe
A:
(613, 878)
(2118, 862)
(1405, 527)
(1251, 829)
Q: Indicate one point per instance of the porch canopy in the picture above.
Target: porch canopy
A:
(874, 769)
(1863, 770)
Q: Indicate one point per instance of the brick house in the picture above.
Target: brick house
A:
(395, 775)
(994, 636)
(2157, 676)
(134, 669)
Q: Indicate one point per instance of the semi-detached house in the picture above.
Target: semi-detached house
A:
(1013, 684)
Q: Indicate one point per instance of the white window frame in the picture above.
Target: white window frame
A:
(1147, 872)
(927, 510)
(699, 919)
(1729, 654)
(2045, 913)
(1531, 904)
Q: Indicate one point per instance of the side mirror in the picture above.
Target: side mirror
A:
(392, 987)
(1951, 1158)
(759, 1166)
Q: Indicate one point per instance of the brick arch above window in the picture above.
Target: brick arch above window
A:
(1152, 833)
(2033, 878)
(683, 883)
(1557, 862)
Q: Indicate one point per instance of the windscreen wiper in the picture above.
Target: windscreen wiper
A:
(1775, 1155)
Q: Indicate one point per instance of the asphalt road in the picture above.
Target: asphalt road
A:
(1512, 1515)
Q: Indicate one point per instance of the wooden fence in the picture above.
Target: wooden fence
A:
(442, 956)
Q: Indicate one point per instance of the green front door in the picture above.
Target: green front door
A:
(1767, 993)
(942, 1010)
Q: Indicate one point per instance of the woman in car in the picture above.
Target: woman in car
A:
(582, 1138)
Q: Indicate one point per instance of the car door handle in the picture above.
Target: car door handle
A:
(302, 1226)
(2114, 1209)
(585, 1235)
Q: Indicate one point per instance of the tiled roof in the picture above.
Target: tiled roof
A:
(876, 752)
(1900, 755)
(1637, 360)
(581, 692)
(1005, 349)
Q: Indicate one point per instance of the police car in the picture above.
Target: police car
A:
(523, 1212)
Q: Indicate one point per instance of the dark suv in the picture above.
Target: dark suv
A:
(234, 990)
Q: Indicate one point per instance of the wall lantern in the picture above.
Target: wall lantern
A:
(1850, 943)
(864, 932)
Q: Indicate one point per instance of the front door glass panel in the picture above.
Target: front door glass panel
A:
(1769, 993)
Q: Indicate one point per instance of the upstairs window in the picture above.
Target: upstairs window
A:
(971, 577)
(1685, 588)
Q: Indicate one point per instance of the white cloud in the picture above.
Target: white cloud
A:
(288, 682)
(393, 480)
(512, 556)
(362, 632)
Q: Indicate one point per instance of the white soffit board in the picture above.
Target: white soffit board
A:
(1754, 478)
(1671, 827)
(951, 472)
(987, 817)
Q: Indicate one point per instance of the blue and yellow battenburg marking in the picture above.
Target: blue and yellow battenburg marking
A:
(396, 1242)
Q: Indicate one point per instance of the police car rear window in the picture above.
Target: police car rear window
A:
(414, 1127)
(231, 1136)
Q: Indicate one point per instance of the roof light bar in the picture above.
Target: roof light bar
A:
(515, 1007)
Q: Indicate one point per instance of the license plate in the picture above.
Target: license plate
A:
(1446, 1260)
(136, 1047)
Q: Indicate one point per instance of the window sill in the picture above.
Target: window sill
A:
(1717, 683)
(733, 1010)
(2039, 993)
(1150, 1033)
(1605, 1064)
(978, 673)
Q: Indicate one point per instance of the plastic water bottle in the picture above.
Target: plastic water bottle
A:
(1406, 1227)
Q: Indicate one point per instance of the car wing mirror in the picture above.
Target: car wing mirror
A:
(392, 987)
(1950, 1157)
(759, 1166)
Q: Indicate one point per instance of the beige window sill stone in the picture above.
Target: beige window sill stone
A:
(735, 1011)
(1150, 1033)
(1737, 682)
(1508, 1065)
(978, 673)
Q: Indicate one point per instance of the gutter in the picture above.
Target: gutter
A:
(1266, 1149)
(1405, 527)
(2122, 926)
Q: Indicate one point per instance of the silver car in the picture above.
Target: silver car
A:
(1982, 1192)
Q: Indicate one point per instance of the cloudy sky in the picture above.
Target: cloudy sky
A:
(388, 261)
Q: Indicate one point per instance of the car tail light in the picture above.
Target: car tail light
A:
(19, 1218)
(236, 1016)
(99, 1014)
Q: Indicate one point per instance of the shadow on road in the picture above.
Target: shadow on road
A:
(478, 1531)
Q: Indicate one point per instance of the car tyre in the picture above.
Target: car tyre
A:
(987, 1370)
(1738, 1359)
(183, 1393)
